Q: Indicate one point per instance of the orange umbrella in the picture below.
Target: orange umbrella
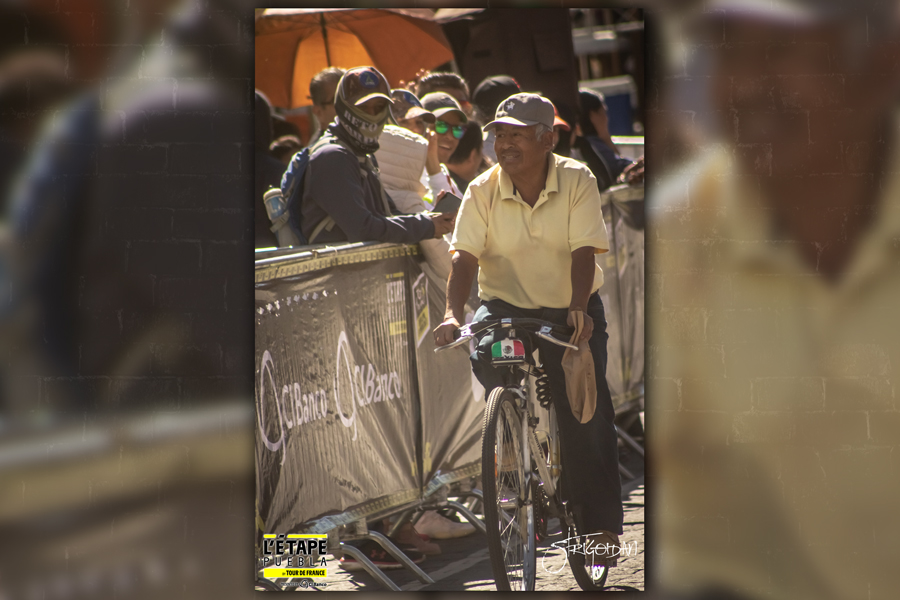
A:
(293, 44)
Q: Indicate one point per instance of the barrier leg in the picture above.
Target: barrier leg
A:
(625, 471)
(630, 441)
(473, 496)
(388, 545)
(401, 521)
(370, 567)
(473, 492)
(478, 523)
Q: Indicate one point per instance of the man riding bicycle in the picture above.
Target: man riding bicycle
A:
(532, 224)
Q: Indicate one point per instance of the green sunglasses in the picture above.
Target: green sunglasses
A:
(442, 127)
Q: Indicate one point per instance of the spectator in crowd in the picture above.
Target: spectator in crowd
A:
(343, 198)
(268, 172)
(401, 157)
(595, 144)
(465, 164)
(409, 112)
(402, 152)
(562, 134)
(282, 127)
(321, 92)
(443, 137)
(285, 147)
(487, 97)
(448, 83)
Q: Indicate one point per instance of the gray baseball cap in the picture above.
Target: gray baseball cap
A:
(440, 104)
(523, 110)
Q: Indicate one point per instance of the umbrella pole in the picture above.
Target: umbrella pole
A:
(325, 38)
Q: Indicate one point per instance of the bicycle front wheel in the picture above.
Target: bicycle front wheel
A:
(506, 482)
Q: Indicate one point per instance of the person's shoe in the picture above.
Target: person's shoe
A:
(408, 536)
(440, 528)
(606, 548)
(380, 557)
(450, 515)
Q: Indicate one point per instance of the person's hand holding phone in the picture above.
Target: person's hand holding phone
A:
(447, 202)
(443, 223)
(444, 214)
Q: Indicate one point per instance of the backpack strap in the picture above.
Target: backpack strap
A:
(328, 222)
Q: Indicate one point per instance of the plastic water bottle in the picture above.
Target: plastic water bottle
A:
(276, 208)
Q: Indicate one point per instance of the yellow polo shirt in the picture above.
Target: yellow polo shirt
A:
(525, 254)
(775, 394)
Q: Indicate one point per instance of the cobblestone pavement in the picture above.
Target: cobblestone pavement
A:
(464, 565)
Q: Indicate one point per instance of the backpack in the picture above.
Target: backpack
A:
(283, 205)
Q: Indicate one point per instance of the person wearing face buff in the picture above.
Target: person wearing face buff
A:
(342, 182)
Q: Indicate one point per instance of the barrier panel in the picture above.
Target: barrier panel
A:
(337, 398)
(623, 292)
(343, 348)
(452, 399)
(356, 415)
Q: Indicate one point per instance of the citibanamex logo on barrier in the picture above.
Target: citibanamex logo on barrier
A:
(281, 408)
(364, 385)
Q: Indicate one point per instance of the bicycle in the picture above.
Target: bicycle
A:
(520, 476)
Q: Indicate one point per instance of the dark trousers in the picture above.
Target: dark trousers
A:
(590, 461)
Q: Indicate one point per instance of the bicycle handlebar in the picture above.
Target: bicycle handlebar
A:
(540, 328)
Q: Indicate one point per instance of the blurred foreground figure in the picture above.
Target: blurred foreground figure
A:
(775, 351)
(126, 275)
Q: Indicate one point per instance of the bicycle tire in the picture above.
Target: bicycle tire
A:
(509, 522)
(577, 563)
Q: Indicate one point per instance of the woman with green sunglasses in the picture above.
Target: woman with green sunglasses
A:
(442, 127)
(443, 138)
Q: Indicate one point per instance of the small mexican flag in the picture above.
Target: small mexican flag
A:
(508, 349)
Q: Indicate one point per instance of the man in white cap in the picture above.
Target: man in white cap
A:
(530, 227)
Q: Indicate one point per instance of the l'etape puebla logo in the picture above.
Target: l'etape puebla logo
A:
(294, 555)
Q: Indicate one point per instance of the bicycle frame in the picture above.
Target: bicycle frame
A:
(510, 408)
(514, 379)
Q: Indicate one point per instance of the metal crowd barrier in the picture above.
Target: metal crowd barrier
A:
(345, 367)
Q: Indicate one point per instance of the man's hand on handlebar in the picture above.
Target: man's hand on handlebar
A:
(443, 333)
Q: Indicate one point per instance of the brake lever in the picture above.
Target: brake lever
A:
(552, 339)
(465, 334)
(459, 342)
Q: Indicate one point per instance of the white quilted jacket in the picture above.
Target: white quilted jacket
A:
(401, 161)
